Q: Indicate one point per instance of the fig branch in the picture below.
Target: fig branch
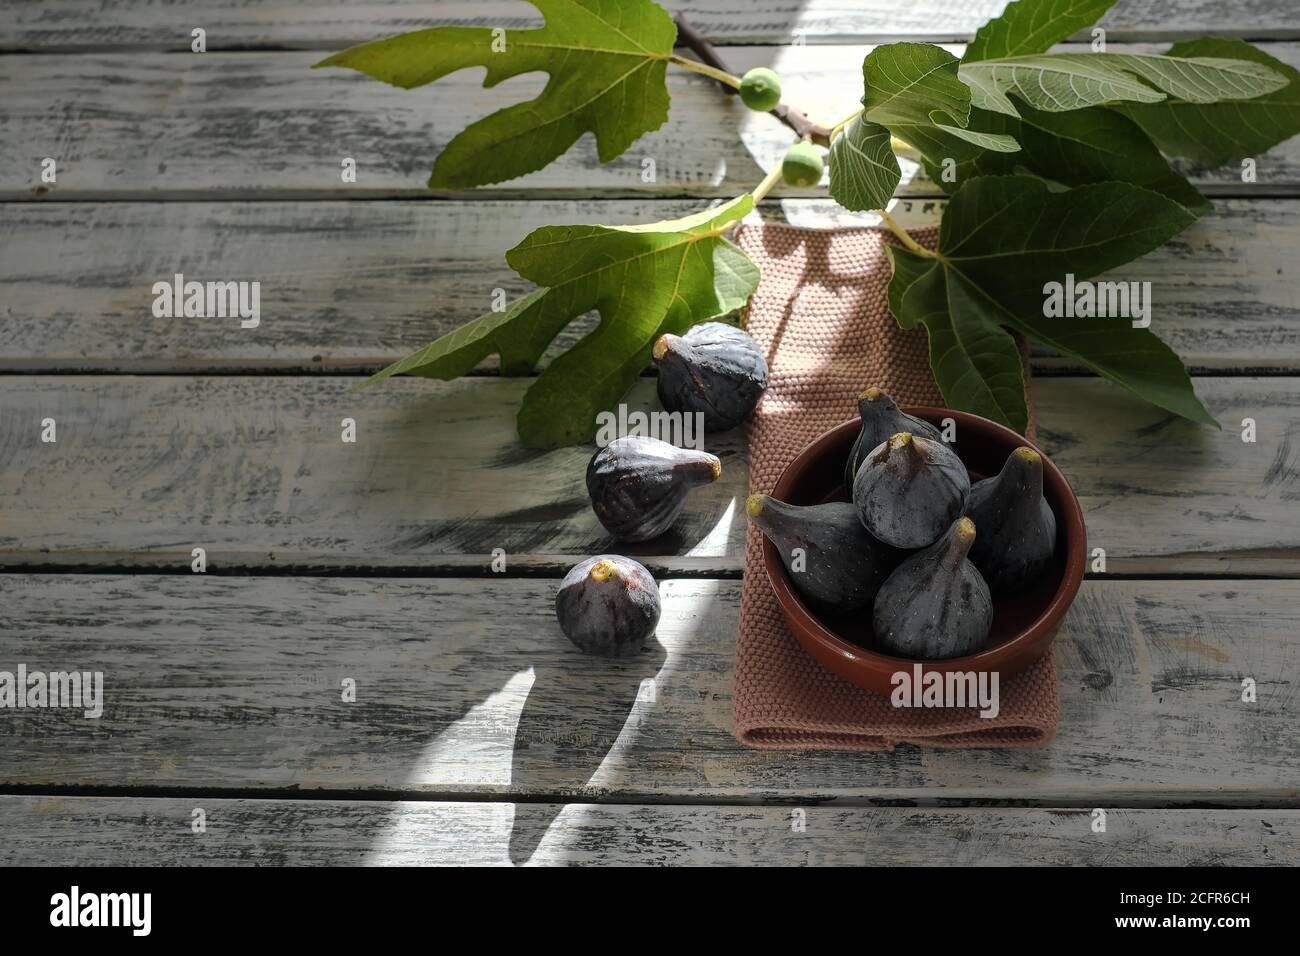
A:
(712, 65)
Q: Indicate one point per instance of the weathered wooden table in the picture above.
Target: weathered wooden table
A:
(477, 735)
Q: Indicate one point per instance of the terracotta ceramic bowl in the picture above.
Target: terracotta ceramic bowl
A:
(1023, 624)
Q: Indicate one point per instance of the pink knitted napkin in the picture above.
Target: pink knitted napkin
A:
(822, 318)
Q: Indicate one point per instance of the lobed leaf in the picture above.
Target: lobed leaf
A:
(1003, 238)
(1214, 133)
(1055, 82)
(993, 142)
(643, 280)
(905, 82)
(913, 90)
(975, 362)
(1033, 26)
(1200, 79)
(1059, 82)
(1092, 145)
(606, 61)
(864, 171)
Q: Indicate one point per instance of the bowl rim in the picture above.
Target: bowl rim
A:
(991, 658)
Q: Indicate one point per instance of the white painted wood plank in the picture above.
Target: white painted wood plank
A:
(224, 684)
(96, 24)
(353, 286)
(257, 125)
(134, 831)
(254, 470)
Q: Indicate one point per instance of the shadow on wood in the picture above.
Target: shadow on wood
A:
(565, 733)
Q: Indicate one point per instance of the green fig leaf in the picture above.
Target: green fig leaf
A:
(1033, 26)
(1093, 145)
(864, 170)
(974, 359)
(937, 144)
(643, 280)
(1214, 133)
(606, 60)
(916, 291)
(912, 89)
(1200, 79)
(993, 142)
(1059, 82)
(1002, 241)
(905, 82)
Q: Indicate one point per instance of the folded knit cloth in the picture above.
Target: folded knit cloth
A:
(822, 319)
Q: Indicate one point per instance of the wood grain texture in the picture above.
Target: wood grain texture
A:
(254, 470)
(124, 831)
(344, 286)
(352, 286)
(224, 684)
(95, 24)
(259, 125)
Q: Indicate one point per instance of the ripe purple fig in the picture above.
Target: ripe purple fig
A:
(935, 605)
(1017, 527)
(909, 490)
(831, 558)
(608, 605)
(715, 369)
(638, 486)
(881, 418)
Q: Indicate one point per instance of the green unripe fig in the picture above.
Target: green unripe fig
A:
(760, 89)
(802, 165)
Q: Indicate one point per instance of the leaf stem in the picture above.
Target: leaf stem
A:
(695, 66)
(895, 144)
(835, 130)
(794, 118)
(899, 146)
(807, 130)
(770, 180)
(910, 244)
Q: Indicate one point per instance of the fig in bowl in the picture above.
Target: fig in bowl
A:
(1003, 628)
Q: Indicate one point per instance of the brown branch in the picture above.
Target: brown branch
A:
(702, 48)
(798, 121)
(792, 117)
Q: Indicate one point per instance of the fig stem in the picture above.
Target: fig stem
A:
(769, 181)
(910, 244)
(693, 40)
(895, 144)
(839, 127)
(695, 66)
(712, 65)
